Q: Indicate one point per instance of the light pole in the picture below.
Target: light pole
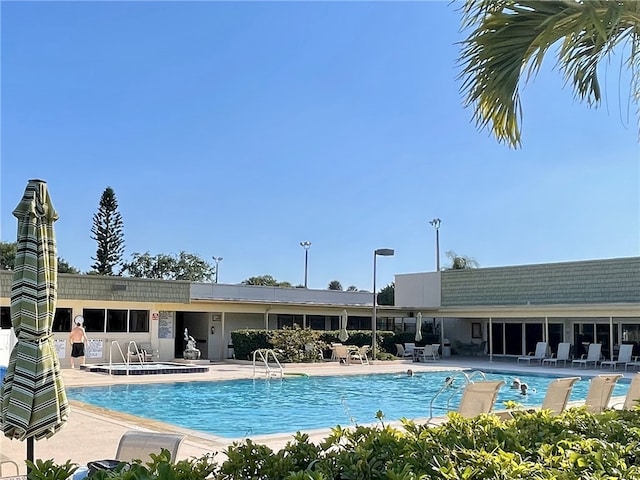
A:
(435, 223)
(306, 246)
(217, 260)
(383, 252)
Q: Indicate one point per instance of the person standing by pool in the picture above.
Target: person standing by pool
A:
(77, 339)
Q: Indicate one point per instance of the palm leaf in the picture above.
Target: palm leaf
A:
(509, 41)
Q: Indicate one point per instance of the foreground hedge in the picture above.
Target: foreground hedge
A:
(575, 445)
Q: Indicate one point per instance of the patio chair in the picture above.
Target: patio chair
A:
(562, 355)
(558, 393)
(401, 352)
(478, 398)
(600, 391)
(360, 354)
(342, 354)
(139, 352)
(593, 356)
(430, 353)
(537, 356)
(139, 445)
(408, 349)
(624, 357)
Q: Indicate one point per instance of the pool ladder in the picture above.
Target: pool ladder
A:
(263, 356)
(132, 347)
(450, 382)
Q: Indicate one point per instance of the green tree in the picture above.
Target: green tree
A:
(386, 296)
(352, 288)
(8, 259)
(65, 267)
(509, 39)
(265, 280)
(334, 285)
(461, 262)
(7, 255)
(184, 266)
(107, 232)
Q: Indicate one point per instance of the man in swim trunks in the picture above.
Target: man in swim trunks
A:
(77, 338)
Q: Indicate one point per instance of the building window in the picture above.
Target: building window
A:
(5, 317)
(316, 322)
(93, 319)
(289, 321)
(117, 320)
(138, 321)
(62, 320)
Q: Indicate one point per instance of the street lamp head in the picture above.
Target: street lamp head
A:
(385, 252)
(435, 223)
(305, 245)
(217, 259)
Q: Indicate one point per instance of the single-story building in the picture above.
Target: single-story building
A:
(506, 310)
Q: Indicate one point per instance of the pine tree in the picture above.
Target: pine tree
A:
(107, 232)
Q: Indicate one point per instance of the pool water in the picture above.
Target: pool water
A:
(239, 408)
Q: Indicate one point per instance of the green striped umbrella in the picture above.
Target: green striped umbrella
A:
(33, 399)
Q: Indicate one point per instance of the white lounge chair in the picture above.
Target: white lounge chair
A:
(600, 391)
(634, 362)
(139, 445)
(633, 394)
(593, 356)
(564, 351)
(537, 356)
(558, 393)
(624, 357)
(478, 398)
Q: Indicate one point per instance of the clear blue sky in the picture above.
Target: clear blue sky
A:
(241, 129)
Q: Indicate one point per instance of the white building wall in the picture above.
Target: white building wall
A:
(418, 290)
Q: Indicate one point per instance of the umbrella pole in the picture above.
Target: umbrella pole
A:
(29, 452)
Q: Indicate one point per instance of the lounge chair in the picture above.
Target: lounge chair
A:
(562, 355)
(635, 363)
(633, 394)
(593, 356)
(600, 391)
(478, 398)
(558, 393)
(624, 357)
(537, 356)
(138, 445)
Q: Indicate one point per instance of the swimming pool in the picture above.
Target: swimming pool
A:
(239, 408)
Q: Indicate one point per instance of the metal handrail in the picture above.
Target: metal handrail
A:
(135, 351)
(263, 355)
(124, 359)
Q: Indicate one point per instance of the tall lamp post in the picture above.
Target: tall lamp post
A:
(383, 252)
(306, 246)
(217, 260)
(435, 223)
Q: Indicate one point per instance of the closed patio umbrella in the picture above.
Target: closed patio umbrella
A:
(418, 327)
(343, 335)
(33, 400)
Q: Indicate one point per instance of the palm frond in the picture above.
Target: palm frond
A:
(510, 39)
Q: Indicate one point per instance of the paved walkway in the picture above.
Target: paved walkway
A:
(93, 433)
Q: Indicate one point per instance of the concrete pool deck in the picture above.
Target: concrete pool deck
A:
(93, 433)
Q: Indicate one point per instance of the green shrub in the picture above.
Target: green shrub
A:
(575, 445)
